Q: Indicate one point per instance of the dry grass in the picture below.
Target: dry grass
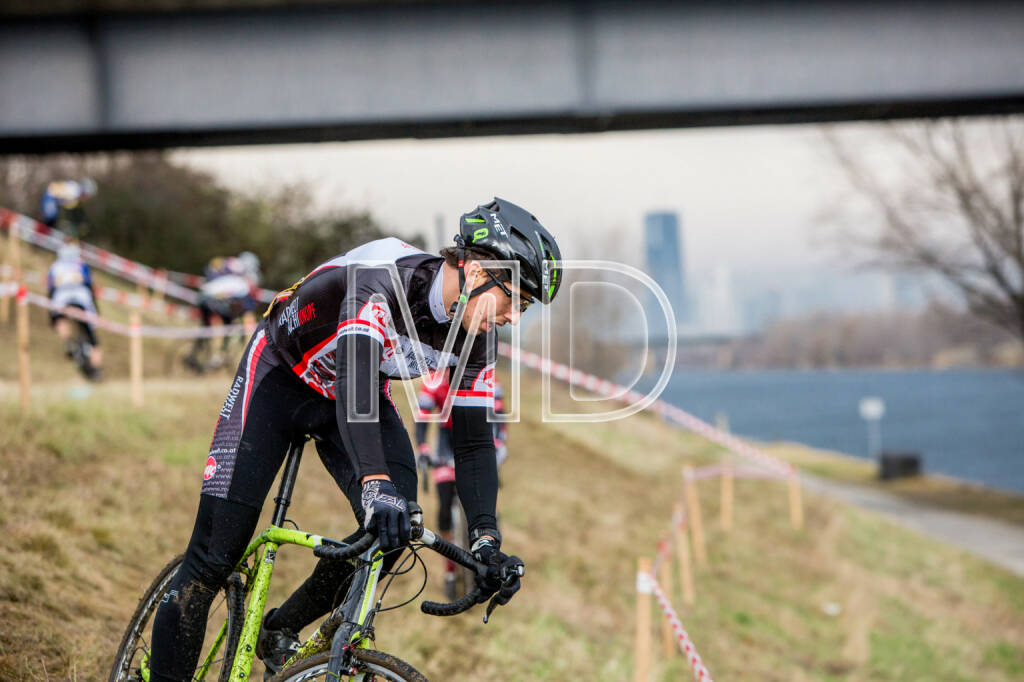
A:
(95, 497)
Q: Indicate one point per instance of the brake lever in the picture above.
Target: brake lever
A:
(514, 574)
(491, 605)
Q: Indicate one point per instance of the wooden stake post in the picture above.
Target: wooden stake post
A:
(693, 509)
(135, 350)
(143, 291)
(14, 261)
(727, 496)
(682, 553)
(249, 324)
(668, 638)
(643, 621)
(24, 375)
(796, 505)
(159, 285)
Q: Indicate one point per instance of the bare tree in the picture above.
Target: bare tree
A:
(955, 209)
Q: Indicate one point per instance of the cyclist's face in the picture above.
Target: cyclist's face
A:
(492, 308)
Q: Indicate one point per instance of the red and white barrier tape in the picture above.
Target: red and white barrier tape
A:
(150, 331)
(114, 295)
(646, 584)
(46, 237)
(196, 281)
(186, 279)
(717, 470)
(664, 548)
(669, 411)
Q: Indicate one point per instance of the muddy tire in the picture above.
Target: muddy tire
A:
(370, 664)
(135, 646)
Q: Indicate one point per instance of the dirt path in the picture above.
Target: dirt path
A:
(997, 541)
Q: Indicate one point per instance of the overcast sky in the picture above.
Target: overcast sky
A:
(749, 198)
(746, 196)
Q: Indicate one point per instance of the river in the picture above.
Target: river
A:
(965, 423)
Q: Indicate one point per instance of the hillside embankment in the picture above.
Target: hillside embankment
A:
(95, 496)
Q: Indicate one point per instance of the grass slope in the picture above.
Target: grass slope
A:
(95, 497)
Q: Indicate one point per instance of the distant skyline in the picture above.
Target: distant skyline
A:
(748, 196)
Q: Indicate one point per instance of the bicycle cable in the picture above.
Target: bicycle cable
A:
(414, 555)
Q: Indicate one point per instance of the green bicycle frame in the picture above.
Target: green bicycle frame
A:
(271, 539)
(259, 584)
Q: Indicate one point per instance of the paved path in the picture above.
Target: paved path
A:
(1000, 542)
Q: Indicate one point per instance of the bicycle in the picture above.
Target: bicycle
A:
(78, 347)
(341, 645)
(80, 350)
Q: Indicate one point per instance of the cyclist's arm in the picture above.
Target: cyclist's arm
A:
(426, 405)
(476, 470)
(355, 391)
(364, 319)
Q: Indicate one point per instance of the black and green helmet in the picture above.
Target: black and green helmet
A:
(512, 233)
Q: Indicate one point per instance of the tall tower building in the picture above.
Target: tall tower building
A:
(664, 250)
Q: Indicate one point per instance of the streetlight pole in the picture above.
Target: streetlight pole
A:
(872, 409)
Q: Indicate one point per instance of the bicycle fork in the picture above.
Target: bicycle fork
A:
(350, 624)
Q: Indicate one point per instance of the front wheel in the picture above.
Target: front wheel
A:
(369, 664)
(224, 629)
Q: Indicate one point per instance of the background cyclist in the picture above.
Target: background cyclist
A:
(230, 291)
(69, 284)
(62, 205)
(440, 460)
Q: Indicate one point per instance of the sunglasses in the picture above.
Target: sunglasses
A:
(524, 301)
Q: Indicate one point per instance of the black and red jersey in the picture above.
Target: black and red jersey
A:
(389, 291)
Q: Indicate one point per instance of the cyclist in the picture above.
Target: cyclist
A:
(441, 462)
(69, 284)
(326, 349)
(62, 208)
(229, 292)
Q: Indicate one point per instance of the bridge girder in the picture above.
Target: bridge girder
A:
(453, 69)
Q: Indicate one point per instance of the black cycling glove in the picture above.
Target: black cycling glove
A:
(387, 514)
(502, 575)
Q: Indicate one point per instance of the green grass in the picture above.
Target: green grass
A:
(95, 496)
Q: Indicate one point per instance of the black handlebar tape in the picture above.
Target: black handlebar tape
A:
(458, 555)
(433, 608)
(345, 551)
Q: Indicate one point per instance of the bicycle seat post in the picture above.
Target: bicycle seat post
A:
(291, 470)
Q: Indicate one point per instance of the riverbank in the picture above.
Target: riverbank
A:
(968, 424)
(933, 490)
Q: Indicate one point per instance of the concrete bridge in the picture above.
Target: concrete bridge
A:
(361, 70)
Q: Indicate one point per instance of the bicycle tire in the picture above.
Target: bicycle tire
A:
(81, 348)
(131, 642)
(367, 661)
